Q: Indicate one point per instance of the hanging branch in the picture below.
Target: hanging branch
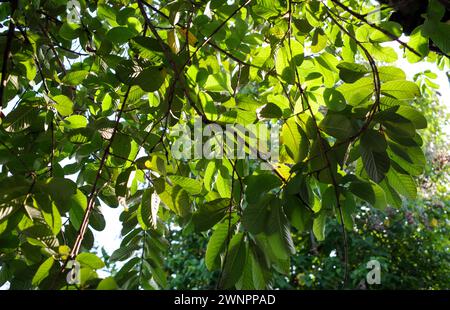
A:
(375, 75)
(323, 152)
(94, 191)
(230, 212)
(142, 258)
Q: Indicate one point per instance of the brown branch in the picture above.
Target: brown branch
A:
(375, 74)
(94, 191)
(52, 47)
(230, 212)
(322, 151)
(58, 45)
(49, 17)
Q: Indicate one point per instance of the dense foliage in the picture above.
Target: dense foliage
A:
(410, 242)
(91, 92)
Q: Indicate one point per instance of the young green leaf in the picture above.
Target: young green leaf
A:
(43, 271)
(235, 261)
(90, 260)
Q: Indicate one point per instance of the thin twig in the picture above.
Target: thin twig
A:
(94, 191)
(324, 154)
(230, 212)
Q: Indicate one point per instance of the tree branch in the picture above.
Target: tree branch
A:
(94, 192)
(322, 148)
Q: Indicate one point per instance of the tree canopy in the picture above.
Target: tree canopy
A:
(91, 93)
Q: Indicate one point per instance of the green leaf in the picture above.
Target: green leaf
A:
(144, 211)
(210, 172)
(69, 31)
(374, 156)
(338, 126)
(235, 262)
(283, 66)
(319, 163)
(150, 79)
(124, 252)
(399, 128)
(348, 207)
(299, 216)
(435, 10)
(76, 214)
(418, 42)
(42, 236)
(417, 118)
(351, 72)
(64, 194)
(373, 140)
(255, 216)
(97, 220)
(334, 99)
(265, 9)
(215, 245)
(410, 159)
(381, 53)
(63, 105)
(400, 89)
(30, 68)
(393, 28)
(278, 232)
(358, 92)
(107, 284)
(319, 40)
(326, 65)
(5, 275)
(219, 82)
(75, 78)
(438, 33)
(42, 272)
(147, 47)
(174, 197)
(257, 185)
(295, 140)
(319, 226)
(192, 186)
(120, 148)
(90, 260)
(376, 163)
(259, 274)
(404, 184)
(120, 35)
(392, 197)
(223, 182)
(369, 191)
(77, 200)
(210, 213)
(20, 118)
(53, 219)
(75, 121)
(388, 73)
(270, 110)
